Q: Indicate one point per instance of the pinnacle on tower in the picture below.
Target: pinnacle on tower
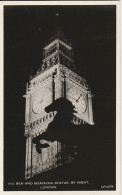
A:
(58, 34)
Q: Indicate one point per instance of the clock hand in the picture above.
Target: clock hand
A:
(79, 97)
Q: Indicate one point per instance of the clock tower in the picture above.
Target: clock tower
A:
(56, 79)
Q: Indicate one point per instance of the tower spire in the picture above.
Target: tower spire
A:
(57, 18)
(59, 50)
(58, 34)
(58, 31)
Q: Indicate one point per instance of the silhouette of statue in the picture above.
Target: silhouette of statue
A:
(62, 128)
(92, 147)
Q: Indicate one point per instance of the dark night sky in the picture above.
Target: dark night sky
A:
(92, 32)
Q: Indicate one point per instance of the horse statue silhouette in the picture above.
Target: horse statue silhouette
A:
(94, 148)
(62, 129)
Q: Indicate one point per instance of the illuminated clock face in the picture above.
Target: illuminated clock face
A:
(78, 100)
(41, 100)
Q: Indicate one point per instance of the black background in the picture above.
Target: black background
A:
(92, 32)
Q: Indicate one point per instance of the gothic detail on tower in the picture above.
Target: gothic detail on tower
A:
(57, 52)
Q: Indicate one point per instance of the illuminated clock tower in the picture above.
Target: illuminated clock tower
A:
(56, 79)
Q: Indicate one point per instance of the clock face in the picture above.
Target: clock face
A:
(78, 100)
(41, 99)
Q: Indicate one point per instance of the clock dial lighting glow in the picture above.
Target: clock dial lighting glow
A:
(41, 100)
(77, 99)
